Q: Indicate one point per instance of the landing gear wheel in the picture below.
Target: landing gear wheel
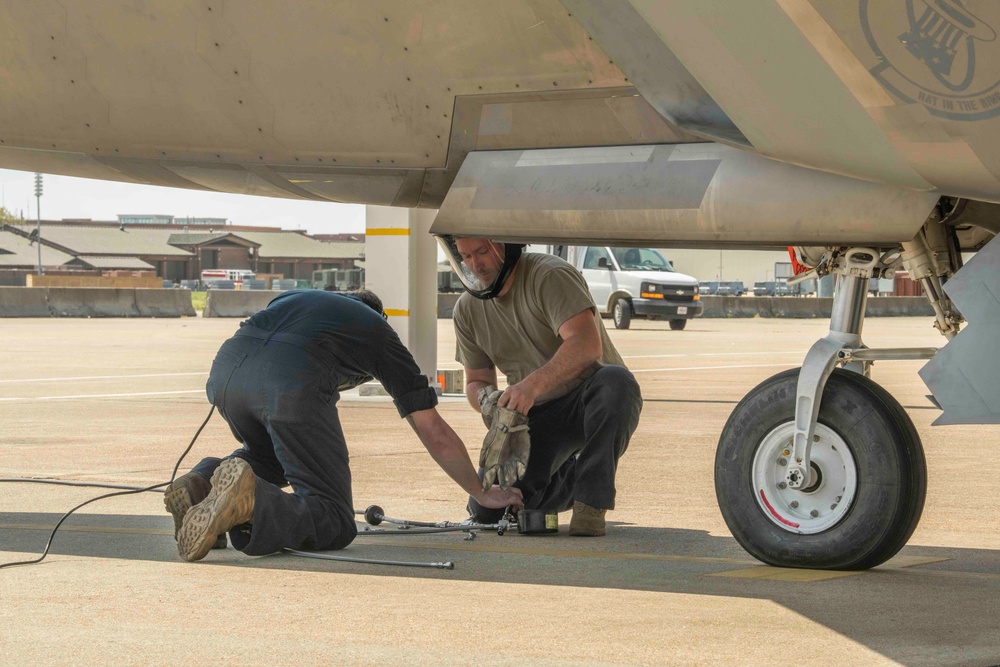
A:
(868, 484)
(678, 325)
(622, 314)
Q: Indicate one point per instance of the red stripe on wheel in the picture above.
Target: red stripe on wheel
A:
(775, 514)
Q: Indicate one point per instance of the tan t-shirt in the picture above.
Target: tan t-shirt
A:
(519, 332)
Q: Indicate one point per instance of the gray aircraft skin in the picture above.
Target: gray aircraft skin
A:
(866, 133)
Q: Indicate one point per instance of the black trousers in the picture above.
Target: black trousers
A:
(576, 441)
(280, 403)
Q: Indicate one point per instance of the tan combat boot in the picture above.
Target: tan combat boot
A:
(587, 521)
(228, 504)
(184, 493)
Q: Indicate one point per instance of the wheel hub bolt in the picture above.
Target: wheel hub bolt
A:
(833, 506)
(782, 462)
(782, 486)
(814, 514)
(794, 504)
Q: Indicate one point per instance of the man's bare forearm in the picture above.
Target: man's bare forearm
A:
(472, 392)
(448, 451)
(570, 360)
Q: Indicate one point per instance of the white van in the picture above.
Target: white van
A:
(637, 282)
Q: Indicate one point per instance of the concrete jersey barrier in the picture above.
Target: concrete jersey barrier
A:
(791, 307)
(24, 302)
(94, 302)
(164, 302)
(237, 303)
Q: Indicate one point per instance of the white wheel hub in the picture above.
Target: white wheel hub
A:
(822, 503)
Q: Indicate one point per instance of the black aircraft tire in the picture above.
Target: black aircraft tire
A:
(678, 325)
(622, 314)
(890, 475)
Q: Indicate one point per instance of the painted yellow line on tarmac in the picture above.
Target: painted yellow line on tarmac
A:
(790, 574)
(561, 553)
(88, 529)
(565, 553)
(762, 572)
(783, 574)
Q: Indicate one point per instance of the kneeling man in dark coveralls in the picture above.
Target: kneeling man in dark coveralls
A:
(276, 382)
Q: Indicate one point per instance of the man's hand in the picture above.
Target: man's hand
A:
(519, 397)
(504, 457)
(497, 498)
(488, 397)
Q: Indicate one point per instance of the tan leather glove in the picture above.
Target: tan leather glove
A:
(488, 397)
(504, 457)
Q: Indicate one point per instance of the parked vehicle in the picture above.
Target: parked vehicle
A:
(737, 288)
(212, 277)
(341, 280)
(637, 282)
(764, 288)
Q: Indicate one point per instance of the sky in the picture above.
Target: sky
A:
(66, 197)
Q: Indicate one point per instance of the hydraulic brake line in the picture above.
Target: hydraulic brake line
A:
(372, 561)
(374, 516)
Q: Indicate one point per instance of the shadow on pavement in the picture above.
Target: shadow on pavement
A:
(895, 609)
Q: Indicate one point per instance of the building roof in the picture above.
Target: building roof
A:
(280, 245)
(105, 262)
(107, 241)
(17, 251)
(189, 239)
(139, 241)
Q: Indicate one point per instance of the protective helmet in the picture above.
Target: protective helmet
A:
(472, 283)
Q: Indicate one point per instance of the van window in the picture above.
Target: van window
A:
(593, 256)
(641, 259)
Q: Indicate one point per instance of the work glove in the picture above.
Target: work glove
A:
(504, 457)
(488, 397)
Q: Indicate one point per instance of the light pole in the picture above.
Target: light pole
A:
(38, 211)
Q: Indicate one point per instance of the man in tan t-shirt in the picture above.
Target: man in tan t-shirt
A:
(531, 316)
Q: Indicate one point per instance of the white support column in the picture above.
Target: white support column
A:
(401, 267)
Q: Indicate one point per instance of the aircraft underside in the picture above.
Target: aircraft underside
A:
(865, 134)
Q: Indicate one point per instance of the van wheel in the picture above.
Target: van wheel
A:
(678, 325)
(622, 314)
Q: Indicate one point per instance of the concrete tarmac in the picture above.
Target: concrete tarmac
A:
(116, 401)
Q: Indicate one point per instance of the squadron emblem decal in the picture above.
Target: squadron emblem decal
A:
(943, 54)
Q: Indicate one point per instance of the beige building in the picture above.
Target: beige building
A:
(171, 252)
(750, 266)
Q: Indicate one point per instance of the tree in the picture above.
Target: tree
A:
(6, 217)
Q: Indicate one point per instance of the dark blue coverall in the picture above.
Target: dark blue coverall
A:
(276, 382)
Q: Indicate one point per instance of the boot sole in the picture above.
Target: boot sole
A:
(229, 503)
(178, 503)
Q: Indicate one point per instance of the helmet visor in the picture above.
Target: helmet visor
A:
(473, 283)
